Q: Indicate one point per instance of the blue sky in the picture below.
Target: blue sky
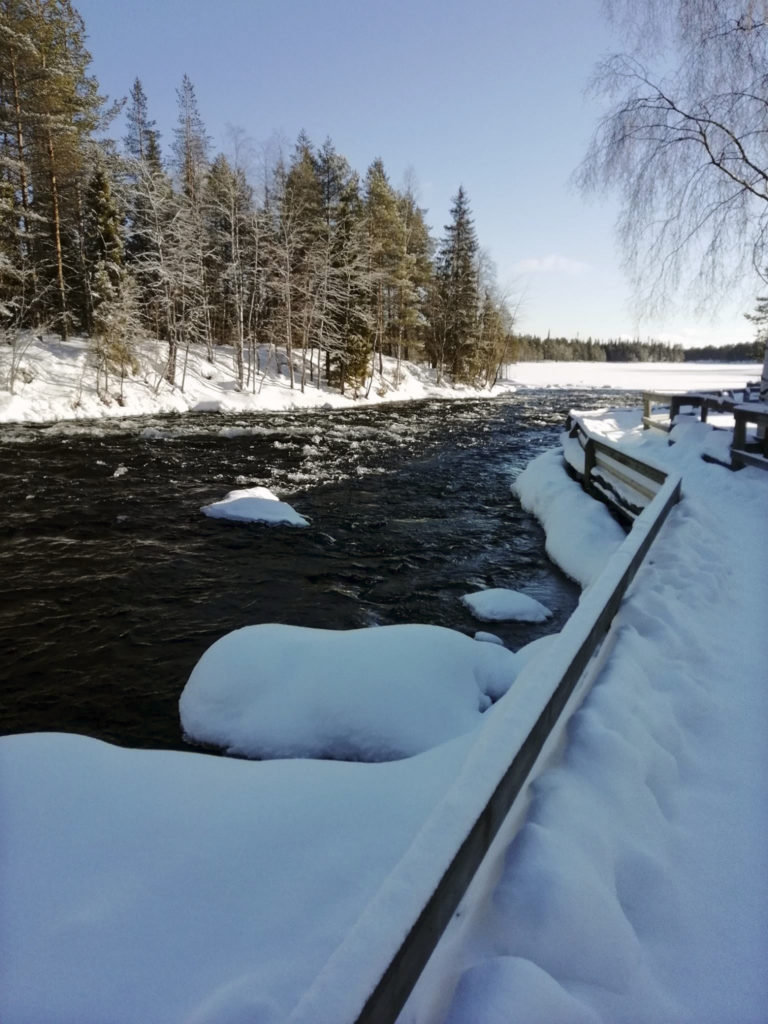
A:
(489, 95)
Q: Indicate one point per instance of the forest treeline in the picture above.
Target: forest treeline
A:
(112, 240)
(119, 240)
(531, 348)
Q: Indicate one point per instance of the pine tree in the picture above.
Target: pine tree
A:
(17, 60)
(386, 247)
(190, 147)
(49, 108)
(228, 206)
(295, 218)
(64, 109)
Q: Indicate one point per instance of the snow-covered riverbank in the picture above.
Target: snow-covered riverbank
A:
(637, 890)
(177, 887)
(54, 380)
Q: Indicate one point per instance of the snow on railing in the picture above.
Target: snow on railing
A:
(611, 474)
(370, 975)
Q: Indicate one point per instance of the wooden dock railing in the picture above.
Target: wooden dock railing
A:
(704, 401)
(743, 452)
(611, 474)
(755, 453)
(369, 977)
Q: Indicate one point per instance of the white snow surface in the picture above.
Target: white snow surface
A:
(499, 604)
(56, 380)
(375, 694)
(581, 532)
(254, 505)
(636, 890)
(180, 888)
(160, 887)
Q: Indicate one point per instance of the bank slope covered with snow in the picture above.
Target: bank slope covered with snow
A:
(186, 889)
(56, 380)
(637, 890)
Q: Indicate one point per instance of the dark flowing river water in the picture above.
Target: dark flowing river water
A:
(114, 583)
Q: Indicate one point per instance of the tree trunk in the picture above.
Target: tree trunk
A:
(23, 184)
(57, 235)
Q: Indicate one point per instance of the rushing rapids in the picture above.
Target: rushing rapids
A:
(115, 583)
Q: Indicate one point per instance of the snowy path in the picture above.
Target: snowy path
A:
(637, 890)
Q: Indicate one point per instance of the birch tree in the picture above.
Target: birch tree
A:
(684, 145)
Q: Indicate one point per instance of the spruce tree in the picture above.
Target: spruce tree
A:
(413, 277)
(103, 245)
(456, 297)
(141, 140)
(344, 322)
(190, 144)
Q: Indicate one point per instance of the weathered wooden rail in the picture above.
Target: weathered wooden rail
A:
(370, 976)
(704, 401)
(611, 474)
(742, 452)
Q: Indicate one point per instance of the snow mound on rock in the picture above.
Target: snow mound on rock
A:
(254, 505)
(376, 694)
(498, 604)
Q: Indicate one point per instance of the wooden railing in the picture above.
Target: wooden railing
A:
(743, 452)
(370, 976)
(625, 483)
(704, 401)
(750, 454)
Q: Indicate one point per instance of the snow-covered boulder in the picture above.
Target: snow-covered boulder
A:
(497, 604)
(254, 505)
(376, 694)
(488, 638)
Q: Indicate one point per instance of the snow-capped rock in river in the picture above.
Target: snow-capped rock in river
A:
(498, 604)
(372, 694)
(254, 505)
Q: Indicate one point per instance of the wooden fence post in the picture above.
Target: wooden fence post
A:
(589, 465)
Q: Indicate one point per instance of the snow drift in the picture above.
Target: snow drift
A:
(375, 694)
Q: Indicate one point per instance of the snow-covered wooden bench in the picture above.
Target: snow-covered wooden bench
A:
(702, 401)
(743, 451)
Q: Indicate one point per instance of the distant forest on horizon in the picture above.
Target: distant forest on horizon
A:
(532, 348)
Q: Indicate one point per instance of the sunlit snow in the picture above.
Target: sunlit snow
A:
(360, 694)
(498, 604)
(254, 505)
(174, 888)
(55, 381)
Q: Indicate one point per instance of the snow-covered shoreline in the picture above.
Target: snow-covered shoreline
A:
(636, 890)
(179, 888)
(55, 381)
